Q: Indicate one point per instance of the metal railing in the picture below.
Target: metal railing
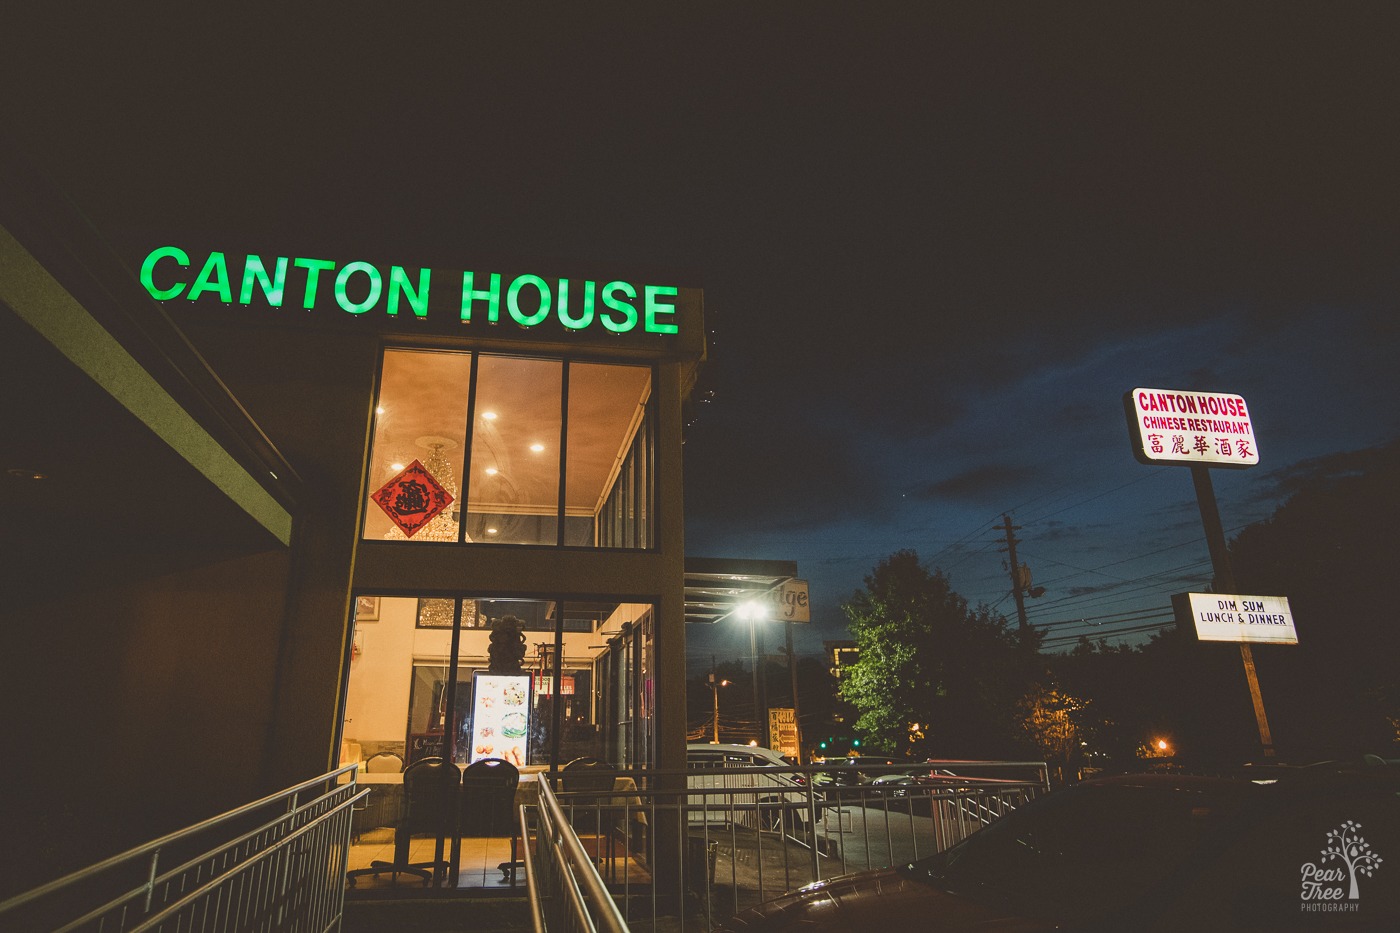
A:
(691, 851)
(277, 864)
(566, 892)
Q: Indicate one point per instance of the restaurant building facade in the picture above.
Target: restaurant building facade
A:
(266, 511)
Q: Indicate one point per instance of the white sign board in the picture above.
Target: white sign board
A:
(789, 602)
(1177, 426)
(500, 717)
(1225, 617)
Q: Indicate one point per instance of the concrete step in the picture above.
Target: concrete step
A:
(437, 915)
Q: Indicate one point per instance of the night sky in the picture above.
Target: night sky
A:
(936, 249)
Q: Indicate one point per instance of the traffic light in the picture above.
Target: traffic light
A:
(855, 743)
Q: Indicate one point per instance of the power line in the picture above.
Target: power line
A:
(1074, 505)
(1135, 615)
(1061, 640)
(1126, 560)
(1121, 591)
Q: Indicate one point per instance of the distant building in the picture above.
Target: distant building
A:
(839, 656)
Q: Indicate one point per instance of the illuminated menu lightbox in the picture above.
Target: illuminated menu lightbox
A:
(500, 717)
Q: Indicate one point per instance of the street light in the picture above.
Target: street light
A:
(755, 611)
(714, 687)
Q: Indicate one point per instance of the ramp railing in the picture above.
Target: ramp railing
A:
(275, 865)
(687, 850)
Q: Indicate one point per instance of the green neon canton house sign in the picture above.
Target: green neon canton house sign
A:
(360, 287)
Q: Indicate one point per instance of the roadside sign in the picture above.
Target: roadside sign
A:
(782, 731)
(790, 602)
(1177, 426)
(1266, 620)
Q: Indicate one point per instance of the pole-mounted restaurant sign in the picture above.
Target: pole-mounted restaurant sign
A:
(1176, 426)
(360, 288)
(1204, 430)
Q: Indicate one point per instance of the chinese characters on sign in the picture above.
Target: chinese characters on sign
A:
(412, 499)
(782, 731)
(1177, 426)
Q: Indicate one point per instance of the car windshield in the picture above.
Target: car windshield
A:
(1083, 853)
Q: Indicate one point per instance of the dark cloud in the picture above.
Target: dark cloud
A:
(768, 472)
(1091, 590)
(1054, 531)
(1282, 483)
(987, 484)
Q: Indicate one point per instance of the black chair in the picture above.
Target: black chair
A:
(487, 809)
(430, 806)
(588, 785)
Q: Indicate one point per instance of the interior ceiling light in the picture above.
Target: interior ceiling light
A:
(379, 410)
(537, 447)
(490, 531)
(488, 415)
(396, 466)
(491, 471)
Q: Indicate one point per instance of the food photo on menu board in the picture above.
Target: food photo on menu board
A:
(500, 716)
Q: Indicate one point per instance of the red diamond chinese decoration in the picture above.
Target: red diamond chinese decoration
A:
(412, 499)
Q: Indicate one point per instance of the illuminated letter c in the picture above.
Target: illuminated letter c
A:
(148, 267)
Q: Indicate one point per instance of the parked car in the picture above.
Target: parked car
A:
(926, 775)
(856, 769)
(1302, 848)
(779, 801)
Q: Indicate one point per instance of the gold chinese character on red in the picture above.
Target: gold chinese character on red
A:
(412, 499)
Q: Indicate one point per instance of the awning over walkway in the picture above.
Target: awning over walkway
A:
(715, 588)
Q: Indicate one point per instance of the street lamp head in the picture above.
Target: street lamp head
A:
(753, 610)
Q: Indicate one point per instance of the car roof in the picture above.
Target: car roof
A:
(1262, 782)
(750, 749)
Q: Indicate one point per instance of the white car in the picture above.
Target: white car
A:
(779, 801)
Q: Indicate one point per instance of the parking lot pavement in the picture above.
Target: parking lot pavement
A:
(751, 867)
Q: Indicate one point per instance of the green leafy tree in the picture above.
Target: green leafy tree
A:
(935, 677)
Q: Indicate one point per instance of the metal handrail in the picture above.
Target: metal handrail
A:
(531, 886)
(575, 867)
(763, 831)
(293, 834)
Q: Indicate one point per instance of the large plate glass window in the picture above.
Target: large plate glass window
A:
(421, 415)
(512, 421)
(411, 696)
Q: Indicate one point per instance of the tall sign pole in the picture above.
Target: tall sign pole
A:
(1202, 430)
(1225, 583)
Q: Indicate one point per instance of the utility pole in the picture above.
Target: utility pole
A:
(792, 673)
(1018, 582)
(715, 684)
(761, 671)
